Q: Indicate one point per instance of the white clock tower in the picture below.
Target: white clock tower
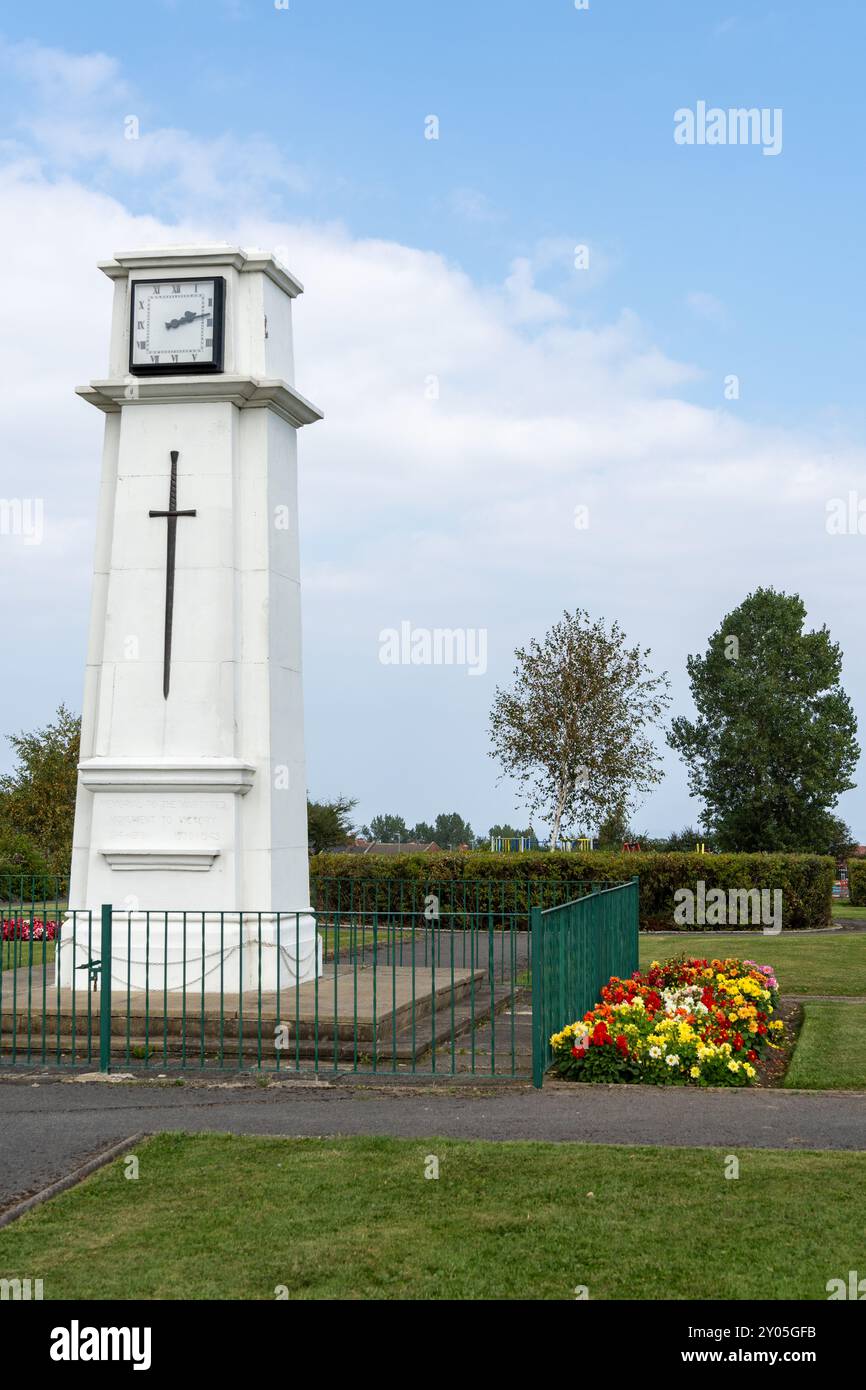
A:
(191, 803)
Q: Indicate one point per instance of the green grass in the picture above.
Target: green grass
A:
(831, 1050)
(846, 912)
(351, 940)
(832, 964)
(223, 1217)
(17, 954)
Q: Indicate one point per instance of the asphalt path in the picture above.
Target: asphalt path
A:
(49, 1127)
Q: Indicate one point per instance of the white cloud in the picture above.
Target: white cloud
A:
(79, 122)
(526, 303)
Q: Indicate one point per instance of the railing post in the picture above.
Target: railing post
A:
(538, 1039)
(105, 991)
(635, 878)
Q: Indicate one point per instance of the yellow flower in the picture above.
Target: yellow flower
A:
(748, 1069)
(733, 1066)
(694, 1071)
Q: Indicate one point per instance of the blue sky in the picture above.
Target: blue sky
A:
(555, 129)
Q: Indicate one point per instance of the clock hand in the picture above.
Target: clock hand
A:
(188, 317)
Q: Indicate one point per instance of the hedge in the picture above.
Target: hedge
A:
(857, 882)
(510, 883)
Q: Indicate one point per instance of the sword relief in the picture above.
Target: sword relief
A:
(171, 517)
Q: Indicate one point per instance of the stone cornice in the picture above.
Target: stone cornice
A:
(166, 775)
(159, 860)
(159, 258)
(245, 392)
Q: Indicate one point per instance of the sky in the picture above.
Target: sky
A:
(552, 313)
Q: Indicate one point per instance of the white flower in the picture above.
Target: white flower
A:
(673, 1060)
(656, 1052)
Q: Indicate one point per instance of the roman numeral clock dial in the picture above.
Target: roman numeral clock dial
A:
(176, 326)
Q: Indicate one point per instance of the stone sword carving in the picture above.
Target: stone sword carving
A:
(171, 517)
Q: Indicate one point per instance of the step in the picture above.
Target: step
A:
(170, 1047)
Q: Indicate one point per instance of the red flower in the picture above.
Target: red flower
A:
(752, 1055)
(738, 1041)
(600, 1034)
(622, 1044)
(578, 1052)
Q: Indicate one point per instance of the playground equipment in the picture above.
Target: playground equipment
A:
(514, 844)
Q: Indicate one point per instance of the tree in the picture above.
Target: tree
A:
(508, 832)
(451, 831)
(686, 839)
(37, 799)
(386, 830)
(423, 832)
(328, 823)
(575, 729)
(614, 830)
(773, 745)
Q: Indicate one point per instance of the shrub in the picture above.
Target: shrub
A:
(514, 882)
(24, 870)
(688, 1022)
(857, 882)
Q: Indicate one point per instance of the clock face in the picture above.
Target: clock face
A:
(176, 326)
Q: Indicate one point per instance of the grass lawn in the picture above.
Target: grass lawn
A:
(218, 1216)
(832, 964)
(831, 1051)
(845, 912)
(16, 954)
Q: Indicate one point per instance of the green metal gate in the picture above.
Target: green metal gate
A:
(576, 947)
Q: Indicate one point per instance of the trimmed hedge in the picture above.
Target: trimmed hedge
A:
(512, 882)
(857, 882)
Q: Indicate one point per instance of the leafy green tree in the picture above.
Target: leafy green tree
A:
(686, 839)
(575, 729)
(833, 836)
(774, 743)
(20, 859)
(451, 831)
(37, 799)
(386, 830)
(508, 832)
(329, 823)
(423, 832)
(614, 830)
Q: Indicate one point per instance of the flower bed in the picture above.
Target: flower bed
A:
(23, 929)
(684, 1022)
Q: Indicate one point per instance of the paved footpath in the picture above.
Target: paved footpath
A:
(48, 1129)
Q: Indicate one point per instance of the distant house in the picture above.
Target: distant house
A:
(381, 847)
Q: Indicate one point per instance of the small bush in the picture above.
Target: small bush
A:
(857, 882)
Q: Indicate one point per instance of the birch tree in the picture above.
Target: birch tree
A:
(576, 728)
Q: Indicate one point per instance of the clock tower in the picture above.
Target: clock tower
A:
(192, 793)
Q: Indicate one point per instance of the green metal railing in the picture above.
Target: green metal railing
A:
(576, 948)
(444, 979)
(395, 993)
